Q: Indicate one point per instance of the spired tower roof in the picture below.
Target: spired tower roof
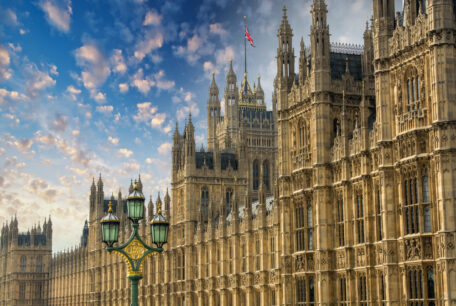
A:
(247, 97)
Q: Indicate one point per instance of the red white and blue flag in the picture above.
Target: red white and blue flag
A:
(248, 37)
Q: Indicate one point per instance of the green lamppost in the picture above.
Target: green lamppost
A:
(134, 250)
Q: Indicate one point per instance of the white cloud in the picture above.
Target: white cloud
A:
(125, 152)
(113, 140)
(152, 41)
(190, 51)
(123, 87)
(149, 115)
(152, 18)
(130, 168)
(58, 16)
(23, 144)
(118, 62)
(165, 148)
(8, 17)
(9, 95)
(38, 81)
(161, 82)
(105, 109)
(100, 97)
(74, 92)
(95, 69)
(208, 66)
(5, 72)
(141, 83)
(183, 111)
(216, 28)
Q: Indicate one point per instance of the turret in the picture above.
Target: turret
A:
(176, 149)
(190, 142)
(213, 112)
(93, 195)
(320, 46)
(167, 200)
(302, 63)
(285, 53)
(100, 198)
(383, 26)
(49, 229)
(150, 209)
(140, 185)
(259, 93)
(368, 55)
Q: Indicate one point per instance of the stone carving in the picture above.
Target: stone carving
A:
(413, 248)
(300, 263)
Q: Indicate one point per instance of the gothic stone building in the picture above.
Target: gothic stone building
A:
(352, 203)
(25, 264)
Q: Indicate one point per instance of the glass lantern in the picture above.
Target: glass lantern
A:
(159, 227)
(135, 204)
(110, 227)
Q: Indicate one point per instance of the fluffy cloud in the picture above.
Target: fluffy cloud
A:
(113, 140)
(130, 168)
(190, 51)
(38, 80)
(165, 148)
(123, 87)
(161, 82)
(105, 109)
(152, 41)
(74, 92)
(125, 152)
(9, 95)
(118, 62)
(23, 144)
(216, 28)
(8, 17)
(144, 84)
(208, 66)
(60, 123)
(57, 15)
(95, 69)
(5, 72)
(148, 114)
(183, 111)
(152, 18)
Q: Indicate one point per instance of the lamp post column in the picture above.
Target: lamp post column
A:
(134, 279)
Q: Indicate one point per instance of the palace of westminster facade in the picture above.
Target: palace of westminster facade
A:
(343, 194)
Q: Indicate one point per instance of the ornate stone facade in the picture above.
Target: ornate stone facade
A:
(342, 194)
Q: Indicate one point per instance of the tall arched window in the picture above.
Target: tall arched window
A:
(205, 200)
(430, 283)
(229, 199)
(39, 264)
(266, 174)
(256, 175)
(412, 79)
(23, 265)
(302, 134)
(309, 226)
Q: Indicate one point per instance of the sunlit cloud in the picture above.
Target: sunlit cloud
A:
(56, 15)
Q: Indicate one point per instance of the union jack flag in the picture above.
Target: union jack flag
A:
(248, 37)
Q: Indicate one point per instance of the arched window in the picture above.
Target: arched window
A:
(205, 200)
(39, 264)
(340, 221)
(23, 265)
(412, 79)
(360, 218)
(430, 283)
(256, 175)
(229, 199)
(309, 226)
(266, 174)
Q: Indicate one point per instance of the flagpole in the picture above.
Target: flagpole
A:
(245, 45)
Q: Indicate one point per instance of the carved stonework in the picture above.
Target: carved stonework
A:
(413, 248)
(300, 263)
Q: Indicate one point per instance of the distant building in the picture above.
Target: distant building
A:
(25, 264)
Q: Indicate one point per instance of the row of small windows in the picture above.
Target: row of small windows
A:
(259, 142)
(38, 264)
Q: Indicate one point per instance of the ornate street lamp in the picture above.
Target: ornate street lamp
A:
(134, 250)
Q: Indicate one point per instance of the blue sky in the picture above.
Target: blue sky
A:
(92, 86)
